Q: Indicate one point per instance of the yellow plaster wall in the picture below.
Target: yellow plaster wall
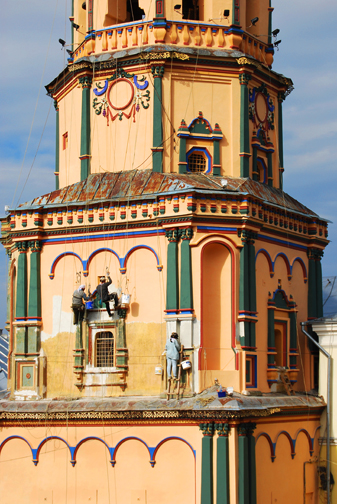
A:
(70, 107)
(216, 95)
(124, 144)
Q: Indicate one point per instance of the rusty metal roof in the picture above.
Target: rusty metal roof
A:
(145, 184)
(208, 400)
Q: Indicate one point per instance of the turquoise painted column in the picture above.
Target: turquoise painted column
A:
(21, 298)
(243, 465)
(244, 126)
(247, 464)
(34, 304)
(21, 282)
(315, 294)
(319, 282)
(271, 336)
(57, 147)
(281, 98)
(157, 149)
(251, 462)
(222, 464)
(186, 293)
(85, 154)
(183, 133)
(247, 288)
(172, 282)
(207, 463)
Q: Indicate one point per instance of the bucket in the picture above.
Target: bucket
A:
(89, 305)
(186, 364)
(158, 370)
(125, 299)
(222, 393)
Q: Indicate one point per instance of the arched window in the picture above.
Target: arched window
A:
(104, 349)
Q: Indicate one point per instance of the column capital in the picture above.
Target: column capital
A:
(22, 246)
(207, 429)
(246, 429)
(244, 78)
(35, 245)
(85, 81)
(247, 236)
(315, 254)
(222, 429)
(56, 105)
(281, 96)
(186, 234)
(158, 71)
(172, 235)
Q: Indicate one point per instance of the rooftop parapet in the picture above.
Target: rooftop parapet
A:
(179, 34)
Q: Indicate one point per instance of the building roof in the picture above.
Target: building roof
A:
(146, 184)
(207, 403)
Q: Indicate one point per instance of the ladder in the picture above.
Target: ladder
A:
(173, 387)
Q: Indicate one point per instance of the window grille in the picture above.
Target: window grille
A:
(196, 162)
(104, 349)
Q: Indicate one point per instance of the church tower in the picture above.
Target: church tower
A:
(169, 180)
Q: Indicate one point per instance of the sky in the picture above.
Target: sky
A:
(32, 57)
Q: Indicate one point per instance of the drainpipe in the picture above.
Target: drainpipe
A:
(327, 406)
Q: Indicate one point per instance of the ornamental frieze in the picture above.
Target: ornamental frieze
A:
(122, 95)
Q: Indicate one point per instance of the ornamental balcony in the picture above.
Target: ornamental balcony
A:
(180, 34)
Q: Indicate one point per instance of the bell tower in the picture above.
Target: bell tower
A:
(185, 88)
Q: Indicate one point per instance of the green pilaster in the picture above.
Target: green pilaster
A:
(244, 126)
(182, 155)
(270, 168)
(57, 147)
(251, 462)
(186, 294)
(21, 282)
(34, 307)
(216, 157)
(222, 464)
(9, 285)
(243, 465)
(252, 288)
(85, 153)
(292, 339)
(319, 286)
(172, 283)
(157, 150)
(280, 137)
(160, 9)
(78, 351)
(247, 290)
(312, 288)
(236, 12)
(207, 464)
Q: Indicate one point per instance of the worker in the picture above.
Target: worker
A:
(104, 295)
(172, 355)
(78, 305)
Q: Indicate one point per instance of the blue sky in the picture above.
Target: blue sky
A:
(32, 57)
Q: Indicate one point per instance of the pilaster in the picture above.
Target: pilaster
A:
(280, 137)
(247, 464)
(244, 125)
(172, 284)
(207, 463)
(85, 154)
(186, 293)
(247, 291)
(157, 149)
(222, 464)
(57, 146)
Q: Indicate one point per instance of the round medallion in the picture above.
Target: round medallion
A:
(28, 376)
(120, 94)
(261, 107)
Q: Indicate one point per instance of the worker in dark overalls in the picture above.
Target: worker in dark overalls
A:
(78, 303)
(104, 295)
